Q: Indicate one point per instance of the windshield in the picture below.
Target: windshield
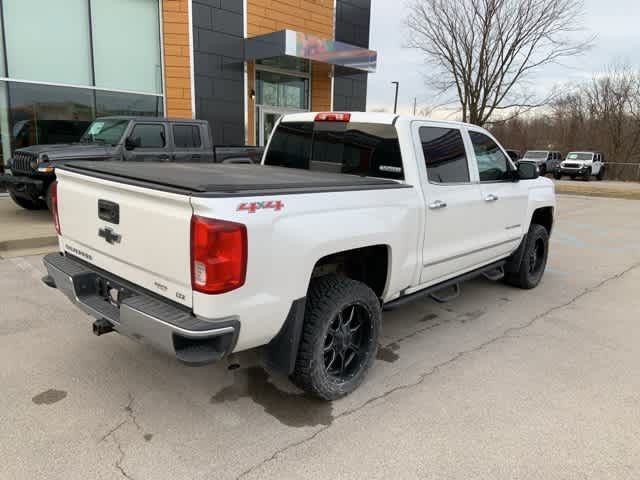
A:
(536, 155)
(105, 131)
(580, 156)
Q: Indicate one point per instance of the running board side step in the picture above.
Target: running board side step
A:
(495, 274)
(455, 293)
(433, 290)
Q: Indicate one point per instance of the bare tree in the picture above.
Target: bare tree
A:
(486, 50)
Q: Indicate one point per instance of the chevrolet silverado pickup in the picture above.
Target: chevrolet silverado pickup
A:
(124, 138)
(348, 215)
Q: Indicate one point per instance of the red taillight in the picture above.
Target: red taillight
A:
(54, 206)
(218, 255)
(333, 117)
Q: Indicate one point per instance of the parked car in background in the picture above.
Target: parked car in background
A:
(581, 164)
(131, 139)
(349, 213)
(514, 155)
(545, 159)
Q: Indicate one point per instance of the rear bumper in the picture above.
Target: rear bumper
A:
(144, 318)
(23, 186)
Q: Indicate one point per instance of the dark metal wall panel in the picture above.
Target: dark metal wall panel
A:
(353, 22)
(218, 28)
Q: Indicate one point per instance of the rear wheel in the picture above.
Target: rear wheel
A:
(534, 259)
(27, 203)
(340, 337)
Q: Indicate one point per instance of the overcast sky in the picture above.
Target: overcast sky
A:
(616, 23)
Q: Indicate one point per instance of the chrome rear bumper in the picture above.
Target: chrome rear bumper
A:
(141, 316)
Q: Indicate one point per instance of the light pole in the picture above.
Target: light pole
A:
(395, 103)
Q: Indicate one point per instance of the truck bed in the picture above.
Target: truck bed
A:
(220, 180)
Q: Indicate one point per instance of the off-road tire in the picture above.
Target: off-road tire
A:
(327, 297)
(27, 203)
(600, 175)
(587, 177)
(557, 176)
(543, 170)
(529, 275)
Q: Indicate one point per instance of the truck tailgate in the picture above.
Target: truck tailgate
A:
(148, 244)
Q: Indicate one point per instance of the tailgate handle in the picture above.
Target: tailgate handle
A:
(109, 211)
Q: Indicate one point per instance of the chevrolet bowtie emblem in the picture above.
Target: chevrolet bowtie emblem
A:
(109, 235)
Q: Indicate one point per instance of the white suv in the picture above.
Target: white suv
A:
(581, 164)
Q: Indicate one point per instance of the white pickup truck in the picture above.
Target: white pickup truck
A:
(349, 214)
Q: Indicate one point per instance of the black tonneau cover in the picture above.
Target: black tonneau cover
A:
(222, 180)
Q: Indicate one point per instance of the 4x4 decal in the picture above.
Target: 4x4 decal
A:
(253, 207)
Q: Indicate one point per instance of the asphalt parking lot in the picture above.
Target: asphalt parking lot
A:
(500, 383)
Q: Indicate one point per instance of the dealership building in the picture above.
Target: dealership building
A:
(239, 64)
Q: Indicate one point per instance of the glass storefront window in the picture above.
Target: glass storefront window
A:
(45, 114)
(281, 90)
(48, 40)
(114, 103)
(126, 45)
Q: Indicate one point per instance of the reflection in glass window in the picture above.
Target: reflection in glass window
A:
(114, 103)
(43, 114)
(147, 135)
(492, 162)
(126, 44)
(278, 90)
(445, 155)
(48, 40)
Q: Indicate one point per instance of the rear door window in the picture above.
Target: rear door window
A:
(187, 136)
(363, 149)
(444, 155)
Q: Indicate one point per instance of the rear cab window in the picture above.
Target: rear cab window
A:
(363, 149)
(186, 136)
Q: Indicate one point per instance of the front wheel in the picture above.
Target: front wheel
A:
(543, 170)
(557, 176)
(587, 176)
(534, 259)
(600, 175)
(339, 339)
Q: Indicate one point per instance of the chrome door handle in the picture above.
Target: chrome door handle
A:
(491, 198)
(437, 205)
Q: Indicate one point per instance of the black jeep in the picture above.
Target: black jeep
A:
(136, 139)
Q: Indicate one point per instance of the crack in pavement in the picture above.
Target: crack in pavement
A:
(506, 334)
(131, 418)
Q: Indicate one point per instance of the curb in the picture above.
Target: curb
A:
(28, 243)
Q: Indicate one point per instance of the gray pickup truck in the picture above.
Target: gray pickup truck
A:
(133, 139)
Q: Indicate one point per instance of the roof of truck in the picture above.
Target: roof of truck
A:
(372, 117)
(150, 119)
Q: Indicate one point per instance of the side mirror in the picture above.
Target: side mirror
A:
(528, 171)
(131, 143)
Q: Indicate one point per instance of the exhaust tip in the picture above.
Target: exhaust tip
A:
(102, 327)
